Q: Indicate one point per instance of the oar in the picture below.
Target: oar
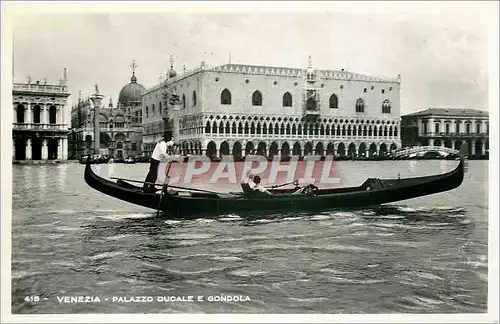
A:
(175, 187)
(163, 189)
(281, 185)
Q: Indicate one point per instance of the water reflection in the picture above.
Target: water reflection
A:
(62, 174)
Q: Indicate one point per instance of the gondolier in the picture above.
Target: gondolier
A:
(162, 151)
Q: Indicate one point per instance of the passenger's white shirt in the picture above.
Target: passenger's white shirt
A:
(260, 188)
(249, 182)
(160, 151)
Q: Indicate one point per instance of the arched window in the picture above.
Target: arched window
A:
(194, 98)
(153, 110)
(386, 107)
(334, 101)
(360, 105)
(257, 98)
(183, 101)
(147, 112)
(52, 115)
(225, 97)
(20, 113)
(207, 128)
(287, 99)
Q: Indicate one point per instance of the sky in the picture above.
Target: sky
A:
(442, 51)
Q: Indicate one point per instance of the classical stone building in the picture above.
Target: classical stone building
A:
(238, 109)
(120, 126)
(447, 127)
(40, 131)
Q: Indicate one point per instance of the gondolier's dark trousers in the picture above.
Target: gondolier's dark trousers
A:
(152, 176)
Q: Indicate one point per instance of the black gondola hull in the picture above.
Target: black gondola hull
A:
(371, 192)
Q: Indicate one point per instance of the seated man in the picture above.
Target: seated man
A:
(247, 183)
(259, 187)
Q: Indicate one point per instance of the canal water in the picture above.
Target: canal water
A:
(426, 255)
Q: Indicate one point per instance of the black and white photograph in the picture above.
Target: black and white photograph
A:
(230, 162)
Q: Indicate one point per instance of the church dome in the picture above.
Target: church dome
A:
(131, 93)
(172, 73)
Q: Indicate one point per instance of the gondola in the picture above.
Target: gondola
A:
(196, 202)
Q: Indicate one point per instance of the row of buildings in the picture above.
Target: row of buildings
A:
(239, 109)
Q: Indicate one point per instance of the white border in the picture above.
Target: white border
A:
(10, 8)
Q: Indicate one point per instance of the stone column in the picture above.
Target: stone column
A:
(28, 149)
(45, 114)
(28, 114)
(64, 149)
(45, 151)
(473, 147)
(217, 153)
(431, 142)
(60, 149)
(243, 152)
(431, 124)
(13, 149)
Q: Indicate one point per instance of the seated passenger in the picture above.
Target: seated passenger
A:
(247, 183)
(259, 187)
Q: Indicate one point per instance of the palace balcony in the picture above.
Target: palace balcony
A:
(40, 127)
(336, 138)
(41, 88)
(456, 135)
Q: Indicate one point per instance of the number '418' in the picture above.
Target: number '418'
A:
(31, 299)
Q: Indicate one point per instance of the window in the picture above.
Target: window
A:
(334, 101)
(436, 128)
(386, 107)
(457, 128)
(194, 98)
(287, 99)
(467, 128)
(225, 97)
(153, 110)
(447, 128)
(183, 101)
(147, 112)
(478, 128)
(360, 105)
(257, 98)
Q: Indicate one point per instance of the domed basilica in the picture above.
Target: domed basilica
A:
(120, 125)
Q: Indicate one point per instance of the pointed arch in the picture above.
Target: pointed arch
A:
(225, 97)
(386, 107)
(257, 98)
(233, 128)
(360, 105)
(228, 127)
(208, 128)
(334, 101)
(287, 99)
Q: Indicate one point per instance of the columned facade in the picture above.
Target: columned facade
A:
(242, 109)
(40, 129)
(448, 128)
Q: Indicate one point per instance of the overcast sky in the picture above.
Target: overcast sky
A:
(442, 52)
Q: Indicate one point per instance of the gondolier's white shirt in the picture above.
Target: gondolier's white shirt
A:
(160, 151)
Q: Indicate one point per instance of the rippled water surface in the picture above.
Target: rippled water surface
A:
(426, 255)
